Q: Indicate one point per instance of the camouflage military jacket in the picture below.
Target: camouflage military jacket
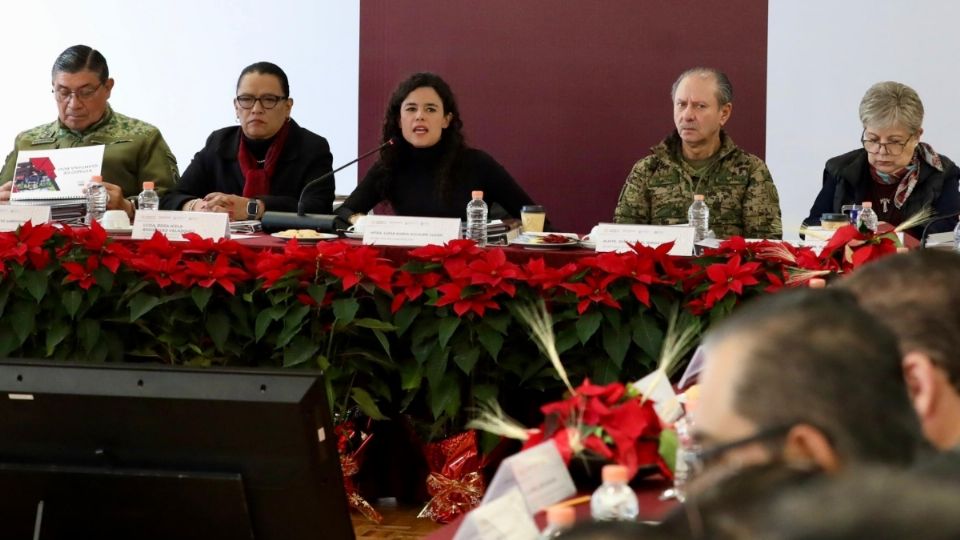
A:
(134, 151)
(737, 187)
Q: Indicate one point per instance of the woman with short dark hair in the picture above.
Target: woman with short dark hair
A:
(261, 164)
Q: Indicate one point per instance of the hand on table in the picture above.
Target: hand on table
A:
(116, 201)
(234, 205)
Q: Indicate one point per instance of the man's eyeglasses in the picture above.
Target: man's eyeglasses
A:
(892, 148)
(703, 457)
(63, 94)
(268, 101)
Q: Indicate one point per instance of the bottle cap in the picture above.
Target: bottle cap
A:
(148, 185)
(564, 516)
(476, 194)
(96, 178)
(614, 473)
(817, 283)
(866, 204)
(698, 197)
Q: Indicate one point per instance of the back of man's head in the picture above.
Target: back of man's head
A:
(919, 294)
(815, 357)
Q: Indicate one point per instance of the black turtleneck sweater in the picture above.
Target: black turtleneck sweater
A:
(414, 189)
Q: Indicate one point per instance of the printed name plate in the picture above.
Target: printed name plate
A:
(617, 237)
(539, 473)
(505, 518)
(409, 231)
(13, 216)
(174, 224)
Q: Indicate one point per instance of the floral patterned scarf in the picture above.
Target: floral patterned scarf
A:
(908, 176)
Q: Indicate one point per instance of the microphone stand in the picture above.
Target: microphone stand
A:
(923, 235)
(278, 221)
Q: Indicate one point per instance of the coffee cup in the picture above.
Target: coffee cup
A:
(115, 219)
(533, 218)
(357, 226)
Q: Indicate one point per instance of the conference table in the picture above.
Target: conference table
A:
(648, 491)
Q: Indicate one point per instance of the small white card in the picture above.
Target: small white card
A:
(539, 473)
(13, 216)
(174, 224)
(617, 237)
(656, 388)
(502, 519)
(409, 231)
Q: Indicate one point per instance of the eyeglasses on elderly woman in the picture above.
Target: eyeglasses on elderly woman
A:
(893, 148)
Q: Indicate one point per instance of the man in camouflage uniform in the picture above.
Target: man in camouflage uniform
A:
(700, 158)
(134, 150)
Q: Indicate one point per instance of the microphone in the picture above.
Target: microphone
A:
(923, 236)
(278, 221)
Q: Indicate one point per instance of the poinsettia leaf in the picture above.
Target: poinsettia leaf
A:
(58, 330)
(24, 323)
(201, 296)
(35, 283)
(344, 310)
(384, 342)
(467, 359)
(405, 317)
(218, 327)
(141, 304)
(587, 325)
(435, 367)
(499, 321)
(616, 342)
(566, 339)
(8, 341)
(445, 398)
(448, 326)
(89, 332)
(317, 292)
(491, 340)
(265, 317)
(374, 324)
(5, 288)
(647, 334)
(300, 350)
(104, 278)
(366, 403)
(71, 301)
(292, 323)
(411, 373)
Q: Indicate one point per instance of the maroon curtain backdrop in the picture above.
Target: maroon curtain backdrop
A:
(567, 95)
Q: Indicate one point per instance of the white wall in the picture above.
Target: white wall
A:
(176, 63)
(822, 57)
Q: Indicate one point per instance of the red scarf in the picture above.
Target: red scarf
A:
(256, 180)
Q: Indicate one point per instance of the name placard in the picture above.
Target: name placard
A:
(13, 216)
(502, 519)
(617, 237)
(540, 475)
(409, 231)
(174, 224)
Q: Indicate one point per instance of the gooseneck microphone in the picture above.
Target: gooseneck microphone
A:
(923, 236)
(278, 221)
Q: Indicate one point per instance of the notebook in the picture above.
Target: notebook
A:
(56, 173)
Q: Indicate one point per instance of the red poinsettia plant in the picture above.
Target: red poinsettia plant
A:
(612, 422)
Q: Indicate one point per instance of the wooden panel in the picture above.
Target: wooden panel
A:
(566, 95)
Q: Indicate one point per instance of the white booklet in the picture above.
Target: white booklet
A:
(56, 173)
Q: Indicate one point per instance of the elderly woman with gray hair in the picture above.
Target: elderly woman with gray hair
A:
(893, 170)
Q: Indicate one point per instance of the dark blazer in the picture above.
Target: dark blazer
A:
(846, 180)
(305, 156)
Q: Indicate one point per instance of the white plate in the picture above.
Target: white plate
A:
(535, 241)
(353, 235)
(310, 240)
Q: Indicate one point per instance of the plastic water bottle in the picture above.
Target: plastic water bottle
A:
(559, 519)
(698, 216)
(686, 453)
(614, 500)
(867, 219)
(96, 200)
(477, 219)
(148, 199)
